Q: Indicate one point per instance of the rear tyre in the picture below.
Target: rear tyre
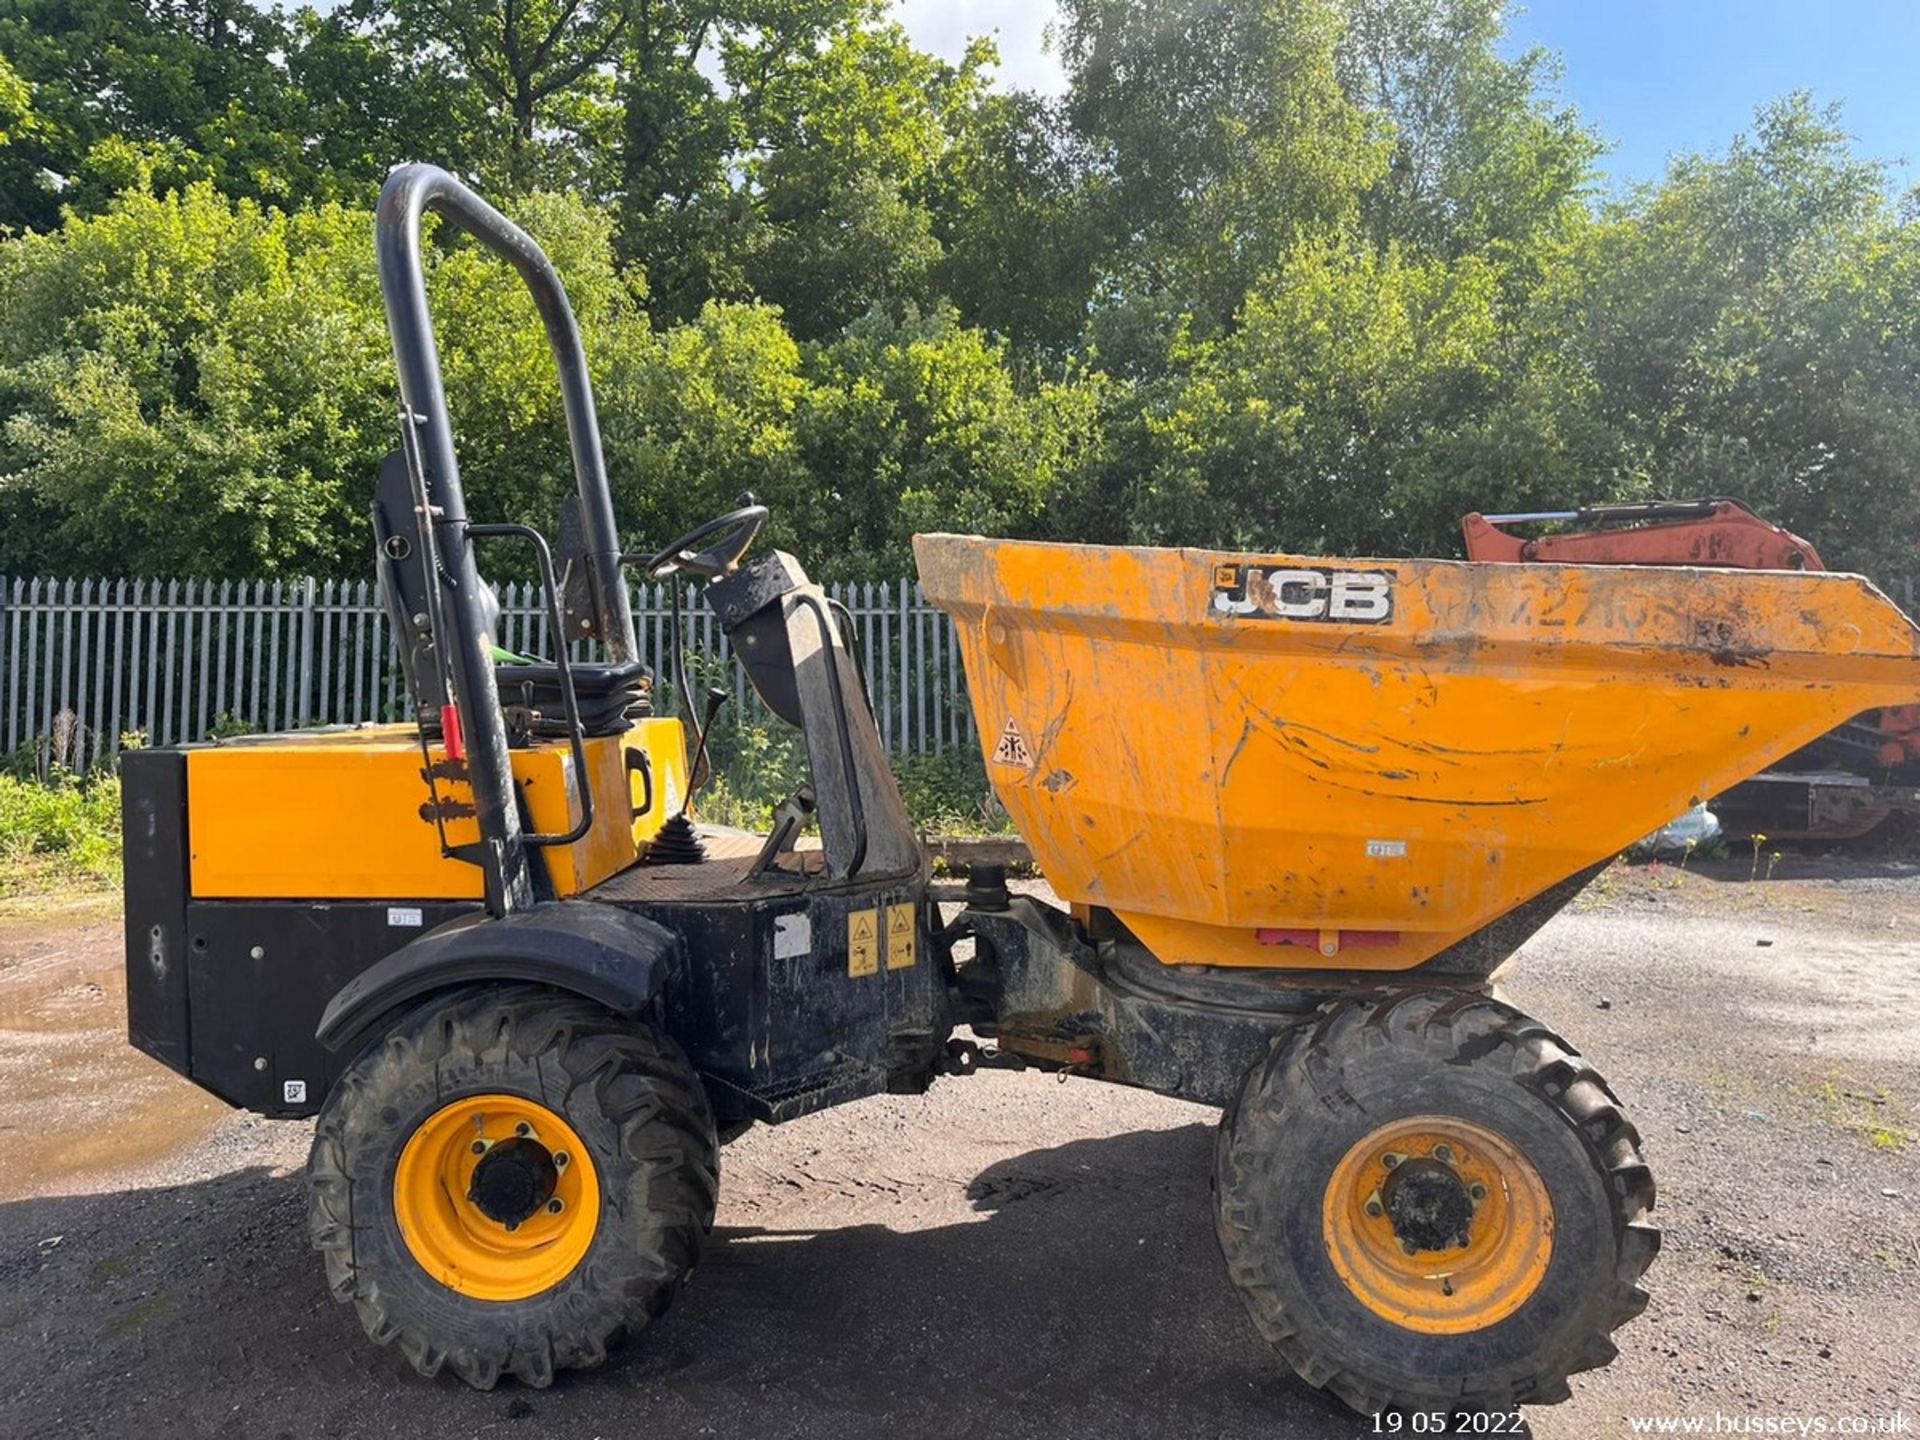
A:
(1429, 1201)
(511, 1182)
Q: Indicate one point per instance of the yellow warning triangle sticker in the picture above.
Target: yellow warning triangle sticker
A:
(863, 925)
(1012, 749)
(899, 920)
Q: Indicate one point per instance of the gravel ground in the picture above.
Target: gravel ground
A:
(1010, 1255)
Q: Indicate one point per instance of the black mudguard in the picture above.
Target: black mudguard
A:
(612, 957)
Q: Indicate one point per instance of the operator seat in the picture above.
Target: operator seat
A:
(610, 697)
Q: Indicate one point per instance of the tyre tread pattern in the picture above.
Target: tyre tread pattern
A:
(1310, 1060)
(635, 1076)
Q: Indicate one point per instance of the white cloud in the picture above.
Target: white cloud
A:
(1018, 26)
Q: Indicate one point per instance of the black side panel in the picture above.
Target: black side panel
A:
(262, 972)
(153, 812)
(781, 1020)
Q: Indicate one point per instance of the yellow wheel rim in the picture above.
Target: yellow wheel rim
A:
(497, 1197)
(1438, 1225)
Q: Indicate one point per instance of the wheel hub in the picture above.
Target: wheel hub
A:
(497, 1197)
(1428, 1205)
(1437, 1224)
(514, 1181)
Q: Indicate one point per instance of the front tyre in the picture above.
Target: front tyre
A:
(1431, 1202)
(512, 1181)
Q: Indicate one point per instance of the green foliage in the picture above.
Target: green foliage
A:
(757, 765)
(16, 104)
(192, 385)
(1282, 274)
(700, 413)
(1753, 326)
(195, 385)
(948, 794)
(63, 831)
(1219, 133)
(1343, 372)
(923, 425)
(1483, 159)
(539, 69)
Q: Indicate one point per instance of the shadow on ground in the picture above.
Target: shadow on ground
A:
(1781, 862)
(1082, 1295)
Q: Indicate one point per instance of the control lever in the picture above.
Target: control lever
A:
(701, 771)
(678, 842)
(788, 822)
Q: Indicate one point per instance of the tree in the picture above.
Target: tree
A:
(199, 386)
(21, 176)
(805, 175)
(1481, 157)
(1275, 274)
(174, 80)
(1015, 210)
(369, 100)
(1751, 324)
(918, 424)
(544, 67)
(1226, 136)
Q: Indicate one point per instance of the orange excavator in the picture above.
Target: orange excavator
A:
(1844, 785)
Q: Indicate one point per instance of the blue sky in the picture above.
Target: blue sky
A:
(1653, 77)
(1686, 75)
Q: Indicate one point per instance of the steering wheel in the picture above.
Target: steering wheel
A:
(712, 550)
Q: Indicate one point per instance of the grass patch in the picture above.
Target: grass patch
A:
(61, 833)
(1888, 1137)
(1860, 1112)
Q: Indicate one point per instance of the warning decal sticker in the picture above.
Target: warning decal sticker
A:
(902, 937)
(863, 943)
(1012, 749)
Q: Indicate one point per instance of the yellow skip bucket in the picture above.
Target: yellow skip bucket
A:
(1290, 762)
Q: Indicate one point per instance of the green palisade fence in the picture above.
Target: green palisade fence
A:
(85, 662)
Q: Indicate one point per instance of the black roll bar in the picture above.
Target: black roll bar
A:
(427, 429)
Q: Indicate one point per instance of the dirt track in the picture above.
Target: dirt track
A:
(1010, 1256)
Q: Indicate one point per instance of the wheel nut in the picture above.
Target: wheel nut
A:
(1374, 1208)
(513, 1225)
(479, 1147)
(560, 1160)
(1479, 1192)
(523, 1129)
(1443, 1153)
(554, 1207)
(1390, 1160)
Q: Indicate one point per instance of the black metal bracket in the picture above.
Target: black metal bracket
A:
(576, 731)
(856, 802)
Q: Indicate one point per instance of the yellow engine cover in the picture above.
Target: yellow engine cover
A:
(349, 814)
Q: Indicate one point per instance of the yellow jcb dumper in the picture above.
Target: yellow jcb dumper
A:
(1299, 810)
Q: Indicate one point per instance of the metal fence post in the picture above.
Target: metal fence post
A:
(309, 594)
(97, 658)
(11, 592)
